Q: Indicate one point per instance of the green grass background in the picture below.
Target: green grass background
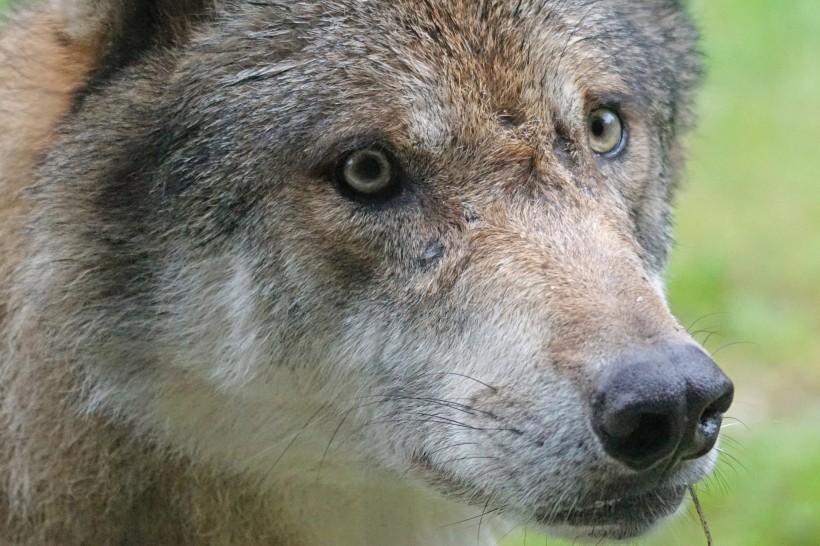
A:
(748, 231)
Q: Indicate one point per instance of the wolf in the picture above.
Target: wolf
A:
(344, 272)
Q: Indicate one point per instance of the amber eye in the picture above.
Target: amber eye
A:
(606, 132)
(369, 172)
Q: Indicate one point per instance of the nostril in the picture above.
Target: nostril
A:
(715, 410)
(705, 435)
(639, 440)
(722, 404)
(709, 424)
(707, 429)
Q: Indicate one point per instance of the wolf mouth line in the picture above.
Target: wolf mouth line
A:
(637, 513)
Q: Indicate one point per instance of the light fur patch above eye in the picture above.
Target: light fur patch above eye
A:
(428, 126)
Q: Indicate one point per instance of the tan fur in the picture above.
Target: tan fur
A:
(37, 77)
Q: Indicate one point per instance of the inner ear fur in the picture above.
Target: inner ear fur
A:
(118, 32)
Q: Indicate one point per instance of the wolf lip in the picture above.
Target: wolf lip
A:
(636, 512)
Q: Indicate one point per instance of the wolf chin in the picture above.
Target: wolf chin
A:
(344, 272)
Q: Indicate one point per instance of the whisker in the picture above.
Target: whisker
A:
(433, 419)
(451, 403)
(735, 459)
(481, 520)
(467, 458)
(387, 398)
(494, 389)
(708, 337)
(705, 330)
(482, 514)
(738, 421)
(513, 528)
(720, 480)
(732, 344)
(689, 328)
(293, 439)
(451, 446)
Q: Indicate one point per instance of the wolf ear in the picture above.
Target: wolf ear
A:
(118, 32)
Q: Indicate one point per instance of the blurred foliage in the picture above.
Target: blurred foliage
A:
(746, 270)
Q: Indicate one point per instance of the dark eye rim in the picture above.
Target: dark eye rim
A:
(619, 149)
(397, 181)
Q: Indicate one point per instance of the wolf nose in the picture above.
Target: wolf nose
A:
(660, 402)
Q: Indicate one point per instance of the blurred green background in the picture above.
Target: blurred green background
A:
(747, 268)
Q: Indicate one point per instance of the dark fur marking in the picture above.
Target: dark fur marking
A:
(433, 252)
(562, 145)
(146, 26)
(509, 118)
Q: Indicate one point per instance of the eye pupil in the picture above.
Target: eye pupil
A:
(368, 172)
(598, 127)
(367, 167)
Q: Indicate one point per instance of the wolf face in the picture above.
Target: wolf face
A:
(414, 242)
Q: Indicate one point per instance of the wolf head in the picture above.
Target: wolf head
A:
(425, 238)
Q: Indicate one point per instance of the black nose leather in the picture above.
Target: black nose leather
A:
(659, 403)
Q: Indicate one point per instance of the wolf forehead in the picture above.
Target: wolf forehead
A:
(521, 60)
(446, 62)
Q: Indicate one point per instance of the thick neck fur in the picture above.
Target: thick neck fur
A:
(308, 464)
(381, 514)
(79, 480)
